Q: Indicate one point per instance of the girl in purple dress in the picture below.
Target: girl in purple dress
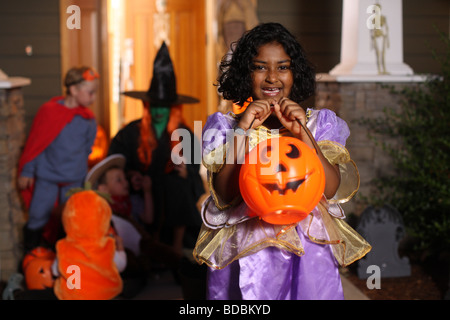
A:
(268, 76)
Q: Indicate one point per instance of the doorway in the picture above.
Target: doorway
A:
(119, 39)
(87, 46)
(182, 25)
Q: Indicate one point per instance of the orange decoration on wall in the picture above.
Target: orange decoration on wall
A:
(100, 147)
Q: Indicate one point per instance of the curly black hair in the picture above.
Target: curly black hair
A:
(235, 81)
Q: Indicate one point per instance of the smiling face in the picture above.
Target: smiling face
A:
(281, 177)
(272, 77)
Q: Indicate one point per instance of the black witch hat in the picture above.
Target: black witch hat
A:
(163, 87)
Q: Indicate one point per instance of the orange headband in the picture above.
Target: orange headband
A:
(90, 74)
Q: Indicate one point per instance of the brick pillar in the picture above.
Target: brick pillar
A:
(12, 218)
(353, 101)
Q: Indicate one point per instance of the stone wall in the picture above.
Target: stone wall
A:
(12, 219)
(353, 101)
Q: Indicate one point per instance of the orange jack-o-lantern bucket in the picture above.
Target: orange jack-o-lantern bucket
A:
(38, 252)
(36, 266)
(282, 180)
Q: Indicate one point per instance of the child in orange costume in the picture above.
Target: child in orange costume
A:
(89, 246)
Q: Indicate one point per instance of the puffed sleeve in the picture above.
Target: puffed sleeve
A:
(214, 136)
(331, 127)
(214, 149)
(331, 134)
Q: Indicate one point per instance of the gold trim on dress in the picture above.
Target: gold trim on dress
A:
(229, 242)
(347, 245)
(336, 153)
(218, 248)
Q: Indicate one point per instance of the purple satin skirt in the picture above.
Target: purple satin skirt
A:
(274, 274)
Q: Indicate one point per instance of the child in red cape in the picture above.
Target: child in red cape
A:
(55, 156)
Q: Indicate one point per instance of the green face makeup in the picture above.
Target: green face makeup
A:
(160, 117)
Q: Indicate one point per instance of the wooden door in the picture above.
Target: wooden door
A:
(187, 47)
(139, 33)
(85, 46)
(188, 51)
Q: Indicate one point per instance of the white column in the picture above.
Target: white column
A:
(358, 55)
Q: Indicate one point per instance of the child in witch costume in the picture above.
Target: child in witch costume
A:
(55, 157)
(249, 258)
(147, 145)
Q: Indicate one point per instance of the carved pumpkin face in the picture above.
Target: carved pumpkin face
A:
(37, 268)
(282, 180)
